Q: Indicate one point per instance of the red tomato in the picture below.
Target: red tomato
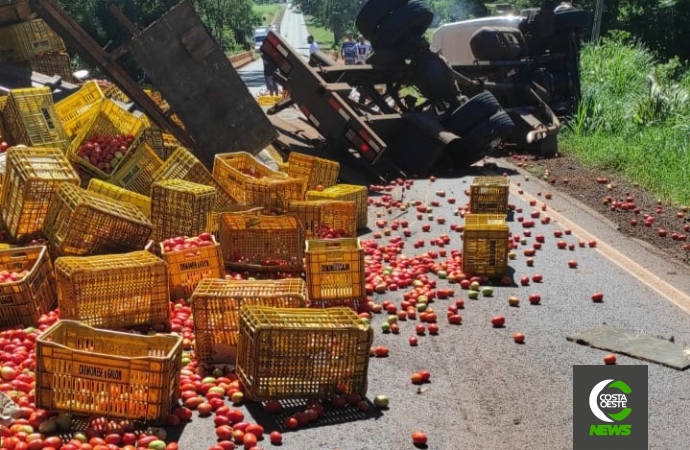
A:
(419, 438)
(224, 432)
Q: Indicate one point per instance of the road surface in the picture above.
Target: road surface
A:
(486, 392)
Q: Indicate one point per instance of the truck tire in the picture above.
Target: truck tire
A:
(476, 110)
(492, 43)
(372, 14)
(478, 142)
(408, 21)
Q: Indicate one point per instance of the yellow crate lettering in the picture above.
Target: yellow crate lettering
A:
(195, 265)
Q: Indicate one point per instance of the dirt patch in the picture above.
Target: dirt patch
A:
(636, 213)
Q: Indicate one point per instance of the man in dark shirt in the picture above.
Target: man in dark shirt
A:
(269, 70)
(348, 51)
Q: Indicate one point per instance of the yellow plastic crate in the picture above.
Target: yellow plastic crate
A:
(81, 223)
(321, 217)
(261, 243)
(136, 173)
(120, 194)
(298, 353)
(24, 301)
(109, 119)
(113, 291)
(73, 110)
(32, 177)
(31, 119)
(216, 309)
(485, 245)
(345, 192)
(335, 272)
(92, 372)
(183, 165)
(186, 268)
(22, 41)
(53, 63)
(314, 171)
(180, 208)
(251, 183)
(489, 195)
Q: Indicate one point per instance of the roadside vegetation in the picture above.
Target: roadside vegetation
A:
(634, 118)
(269, 13)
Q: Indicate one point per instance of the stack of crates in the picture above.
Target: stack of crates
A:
(345, 192)
(335, 272)
(33, 176)
(302, 353)
(486, 235)
(216, 309)
(180, 208)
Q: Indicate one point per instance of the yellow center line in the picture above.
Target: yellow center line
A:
(671, 293)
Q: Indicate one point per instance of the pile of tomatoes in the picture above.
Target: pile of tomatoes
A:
(105, 152)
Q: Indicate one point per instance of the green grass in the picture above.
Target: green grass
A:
(268, 12)
(632, 125)
(322, 35)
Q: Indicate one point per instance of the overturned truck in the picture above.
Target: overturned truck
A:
(414, 107)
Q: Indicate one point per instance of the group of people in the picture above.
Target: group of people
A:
(350, 51)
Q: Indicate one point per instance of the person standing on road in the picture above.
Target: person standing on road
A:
(269, 70)
(313, 46)
(348, 51)
(363, 50)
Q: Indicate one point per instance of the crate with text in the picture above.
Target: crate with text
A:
(489, 195)
(27, 285)
(252, 183)
(299, 353)
(183, 165)
(32, 176)
(136, 174)
(180, 208)
(30, 119)
(313, 170)
(22, 41)
(345, 192)
(106, 141)
(485, 245)
(325, 219)
(123, 195)
(335, 272)
(261, 243)
(75, 109)
(113, 291)
(92, 372)
(216, 309)
(81, 223)
(190, 260)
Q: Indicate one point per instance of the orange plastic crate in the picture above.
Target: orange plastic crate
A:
(92, 372)
(335, 272)
(187, 268)
(113, 291)
(180, 208)
(319, 217)
(313, 170)
(345, 192)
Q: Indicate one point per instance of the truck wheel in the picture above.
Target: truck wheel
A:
(471, 113)
(372, 13)
(479, 141)
(410, 20)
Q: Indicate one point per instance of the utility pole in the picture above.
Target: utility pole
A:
(598, 13)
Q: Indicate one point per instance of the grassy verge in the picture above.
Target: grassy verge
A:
(269, 12)
(322, 36)
(634, 118)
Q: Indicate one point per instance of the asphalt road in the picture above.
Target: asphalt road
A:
(486, 392)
